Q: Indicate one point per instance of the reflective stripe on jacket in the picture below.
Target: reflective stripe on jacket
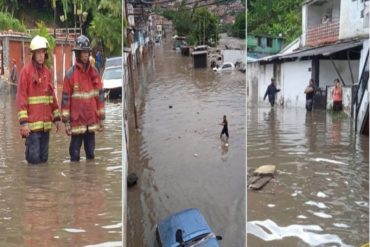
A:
(36, 101)
(82, 99)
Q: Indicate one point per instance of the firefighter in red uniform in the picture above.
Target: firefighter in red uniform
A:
(82, 102)
(36, 103)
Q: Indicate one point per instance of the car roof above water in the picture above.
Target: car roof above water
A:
(113, 61)
(190, 221)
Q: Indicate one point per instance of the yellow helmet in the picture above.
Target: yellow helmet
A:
(39, 42)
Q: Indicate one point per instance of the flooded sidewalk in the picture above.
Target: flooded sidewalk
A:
(320, 193)
(60, 203)
(178, 155)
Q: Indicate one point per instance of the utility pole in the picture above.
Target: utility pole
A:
(55, 17)
(124, 146)
(74, 14)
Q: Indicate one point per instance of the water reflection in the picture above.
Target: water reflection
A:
(59, 203)
(178, 155)
(309, 234)
(40, 209)
(322, 179)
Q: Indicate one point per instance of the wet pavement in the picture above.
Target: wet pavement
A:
(60, 203)
(320, 194)
(178, 155)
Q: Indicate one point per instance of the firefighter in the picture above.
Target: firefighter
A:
(82, 102)
(36, 102)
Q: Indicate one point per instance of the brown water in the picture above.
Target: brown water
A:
(321, 191)
(178, 154)
(60, 203)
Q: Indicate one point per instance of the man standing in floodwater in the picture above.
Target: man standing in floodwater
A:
(82, 102)
(271, 92)
(309, 91)
(37, 103)
(225, 130)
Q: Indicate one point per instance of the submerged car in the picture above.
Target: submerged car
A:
(112, 82)
(228, 66)
(186, 228)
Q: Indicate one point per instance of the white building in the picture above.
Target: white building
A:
(334, 44)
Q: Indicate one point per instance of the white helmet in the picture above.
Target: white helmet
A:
(39, 42)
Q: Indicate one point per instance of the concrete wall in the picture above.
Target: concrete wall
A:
(363, 109)
(234, 55)
(304, 23)
(312, 15)
(265, 73)
(328, 73)
(351, 22)
(295, 77)
(364, 51)
(316, 12)
(252, 82)
(346, 100)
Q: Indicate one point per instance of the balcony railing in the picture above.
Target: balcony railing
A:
(323, 34)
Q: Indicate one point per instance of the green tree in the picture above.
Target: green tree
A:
(182, 20)
(272, 18)
(8, 22)
(107, 15)
(204, 26)
(238, 29)
(9, 5)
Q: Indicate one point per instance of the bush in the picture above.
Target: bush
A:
(8, 22)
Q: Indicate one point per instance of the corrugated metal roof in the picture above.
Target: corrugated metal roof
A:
(323, 50)
(199, 52)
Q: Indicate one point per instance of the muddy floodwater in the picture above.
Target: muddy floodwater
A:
(177, 153)
(320, 194)
(60, 203)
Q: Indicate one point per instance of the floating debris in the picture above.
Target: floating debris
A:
(72, 230)
(261, 176)
(329, 161)
(322, 195)
(132, 179)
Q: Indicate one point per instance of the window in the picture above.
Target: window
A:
(259, 41)
(226, 66)
(269, 42)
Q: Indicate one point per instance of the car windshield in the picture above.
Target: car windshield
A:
(112, 73)
(117, 61)
(197, 239)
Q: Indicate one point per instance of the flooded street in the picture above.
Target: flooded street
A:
(60, 203)
(319, 196)
(178, 155)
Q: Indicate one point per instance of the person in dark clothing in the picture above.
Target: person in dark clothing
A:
(309, 91)
(98, 61)
(225, 130)
(271, 92)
